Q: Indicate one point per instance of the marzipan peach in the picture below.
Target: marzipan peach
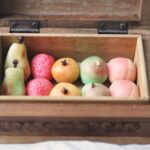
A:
(121, 69)
(124, 88)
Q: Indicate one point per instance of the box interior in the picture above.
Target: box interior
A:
(80, 47)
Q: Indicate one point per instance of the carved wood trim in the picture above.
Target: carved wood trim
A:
(69, 128)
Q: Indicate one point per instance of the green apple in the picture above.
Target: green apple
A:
(93, 70)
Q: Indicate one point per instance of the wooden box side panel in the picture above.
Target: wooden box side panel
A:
(75, 45)
(1, 59)
(141, 70)
(67, 129)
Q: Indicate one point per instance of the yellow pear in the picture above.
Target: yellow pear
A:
(13, 83)
(18, 51)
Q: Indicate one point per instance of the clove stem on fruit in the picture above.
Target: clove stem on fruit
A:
(98, 63)
(93, 85)
(15, 62)
(21, 39)
(64, 90)
(64, 62)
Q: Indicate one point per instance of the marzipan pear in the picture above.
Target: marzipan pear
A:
(13, 83)
(18, 51)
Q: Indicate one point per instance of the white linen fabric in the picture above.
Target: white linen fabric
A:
(72, 145)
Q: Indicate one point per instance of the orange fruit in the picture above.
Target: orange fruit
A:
(65, 89)
(65, 70)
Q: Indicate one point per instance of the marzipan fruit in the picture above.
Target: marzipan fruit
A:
(93, 70)
(13, 83)
(65, 70)
(65, 89)
(18, 51)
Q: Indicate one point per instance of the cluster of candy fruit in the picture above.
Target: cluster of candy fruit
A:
(93, 71)
(120, 71)
(17, 70)
(122, 74)
(64, 71)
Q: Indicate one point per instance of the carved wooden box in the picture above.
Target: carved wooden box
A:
(69, 28)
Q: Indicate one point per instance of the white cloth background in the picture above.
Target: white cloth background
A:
(71, 145)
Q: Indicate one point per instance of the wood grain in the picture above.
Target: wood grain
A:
(35, 139)
(76, 46)
(70, 13)
(56, 110)
(0, 60)
(71, 7)
(145, 19)
(141, 70)
(61, 126)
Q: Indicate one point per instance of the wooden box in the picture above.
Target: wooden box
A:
(69, 28)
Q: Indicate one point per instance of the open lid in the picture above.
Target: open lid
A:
(70, 13)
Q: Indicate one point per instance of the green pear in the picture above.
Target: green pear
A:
(18, 51)
(13, 83)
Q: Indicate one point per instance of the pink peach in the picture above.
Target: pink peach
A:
(121, 69)
(124, 88)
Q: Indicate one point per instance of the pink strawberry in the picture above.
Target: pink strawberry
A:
(41, 65)
(39, 87)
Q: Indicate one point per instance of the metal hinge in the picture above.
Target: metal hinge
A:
(25, 26)
(112, 27)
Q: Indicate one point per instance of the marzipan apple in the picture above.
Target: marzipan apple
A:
(65, 70)
(93, 70)
(65, 89)
(95, 89)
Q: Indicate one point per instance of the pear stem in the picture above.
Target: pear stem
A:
(93, 85)
(98, 63)
(65, 91)
(21, 39)
(15, 62)
(64, 62)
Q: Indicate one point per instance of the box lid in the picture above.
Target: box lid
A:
(70, 13)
